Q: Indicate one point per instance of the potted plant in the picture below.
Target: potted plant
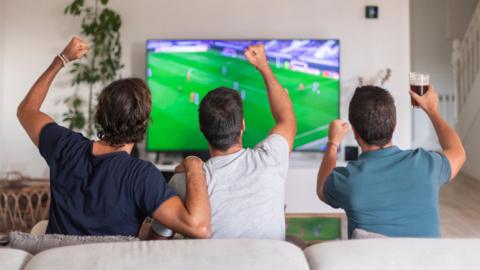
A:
(101, 27)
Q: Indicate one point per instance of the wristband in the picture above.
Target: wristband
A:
(334, 144)
(63, 58)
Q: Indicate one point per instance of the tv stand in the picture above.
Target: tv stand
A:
(168, 158)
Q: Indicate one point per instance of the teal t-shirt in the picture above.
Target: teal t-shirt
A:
(391, 191)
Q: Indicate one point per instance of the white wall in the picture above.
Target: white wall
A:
(434, 25)
(2, 39)
(459, 14)
(473, 151)
(469, 129)
(33, 38)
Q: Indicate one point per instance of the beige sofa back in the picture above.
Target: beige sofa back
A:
(371, 254)
(398, 254)
(13, 259)
(179, 254)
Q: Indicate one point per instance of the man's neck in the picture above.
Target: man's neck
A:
(233, 149)
(368, 148)
(102, 148)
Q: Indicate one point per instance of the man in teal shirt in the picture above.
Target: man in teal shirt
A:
(387, 190)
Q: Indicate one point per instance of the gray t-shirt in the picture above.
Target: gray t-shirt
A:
(246, 190)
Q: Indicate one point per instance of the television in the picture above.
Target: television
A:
(181, 72)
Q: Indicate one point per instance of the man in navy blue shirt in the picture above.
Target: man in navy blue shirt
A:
(387, 190)
(97, 188)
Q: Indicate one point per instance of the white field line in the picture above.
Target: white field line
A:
(311, 132)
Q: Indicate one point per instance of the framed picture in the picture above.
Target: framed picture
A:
(314, 228)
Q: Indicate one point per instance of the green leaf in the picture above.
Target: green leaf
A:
(75, 8)
(101, 26)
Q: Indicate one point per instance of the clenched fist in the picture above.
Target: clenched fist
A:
(75, 49)
(337, 131)
(192, 163)
(256, 55)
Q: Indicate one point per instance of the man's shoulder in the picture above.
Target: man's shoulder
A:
(141, 168)
(421, 154)
(142, 164)
(273, 140)
(53, 129)
(273, 151)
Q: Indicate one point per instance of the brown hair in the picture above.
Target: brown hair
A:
(221, 117)
(123, 111)
(373, 115)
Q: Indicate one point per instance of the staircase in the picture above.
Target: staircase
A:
(466, 66)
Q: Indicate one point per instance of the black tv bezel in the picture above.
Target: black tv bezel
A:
(240, 39)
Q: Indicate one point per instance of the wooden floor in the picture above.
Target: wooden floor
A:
(460, 208)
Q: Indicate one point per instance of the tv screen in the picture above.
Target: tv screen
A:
(181, 72)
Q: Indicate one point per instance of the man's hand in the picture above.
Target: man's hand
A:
(179, 169)
(337, 131)
(256, 55)
(190, 164)
(75, 49)
(428, 102)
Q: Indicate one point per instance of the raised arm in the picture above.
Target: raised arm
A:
(280, 103)
(449, 140)
(28, 112)
(192, 218)
(336, 132)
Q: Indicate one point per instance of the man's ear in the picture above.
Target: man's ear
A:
(243, 125)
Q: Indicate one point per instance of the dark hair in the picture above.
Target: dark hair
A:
(221, 117)
(372, 113)
(123, 111)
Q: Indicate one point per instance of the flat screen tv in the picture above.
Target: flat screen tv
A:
(181, 72)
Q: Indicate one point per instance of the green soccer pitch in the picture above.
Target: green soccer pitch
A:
(179, 81)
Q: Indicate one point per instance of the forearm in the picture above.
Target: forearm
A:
(450, 142)
(280, 103)
(28, 111)
(197, 202)
(35, 97)
(329, 162)
(447, 136)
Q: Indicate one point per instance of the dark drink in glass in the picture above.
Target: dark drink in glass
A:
(419, 83)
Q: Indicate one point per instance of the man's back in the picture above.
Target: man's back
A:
(390, 191)
(97, 195)
(247, 191)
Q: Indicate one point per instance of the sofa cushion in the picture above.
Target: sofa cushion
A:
(175, 254)
(13, 259)
(395, 253)
(37, 243)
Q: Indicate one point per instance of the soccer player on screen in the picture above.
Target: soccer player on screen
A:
(245, 186)
(189, 74)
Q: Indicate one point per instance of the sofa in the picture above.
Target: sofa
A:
(369, 254)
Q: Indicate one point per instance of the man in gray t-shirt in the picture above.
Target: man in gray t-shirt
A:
(245, 186)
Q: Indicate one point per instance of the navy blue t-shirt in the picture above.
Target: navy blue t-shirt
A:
(109, 194)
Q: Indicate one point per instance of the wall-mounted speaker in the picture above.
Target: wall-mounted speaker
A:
(371, 12)
(351, 153)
